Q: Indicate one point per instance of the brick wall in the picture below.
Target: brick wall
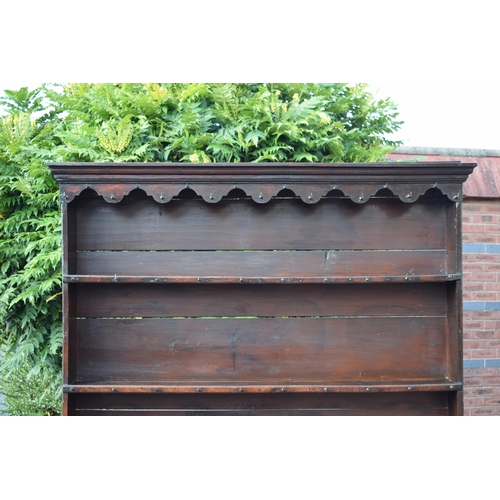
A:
(481, 285)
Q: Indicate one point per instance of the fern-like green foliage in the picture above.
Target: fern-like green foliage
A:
(225, 122)
(28, 394)
(146, 122)
(115, 139)
(30, 254)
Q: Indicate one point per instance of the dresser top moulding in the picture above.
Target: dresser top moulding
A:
(262, 181)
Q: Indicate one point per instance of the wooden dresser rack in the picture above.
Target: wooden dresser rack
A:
(262, 289)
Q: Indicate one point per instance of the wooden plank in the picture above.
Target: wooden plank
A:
(245, 225)
(254, 280)
(415, 412)
(142, 300)
(264, 264)
(456, 403)
(452, 230)
(454, 355)
(261, 350)
(438, 384)
(69, 238)
(65, 404)
(263, 404)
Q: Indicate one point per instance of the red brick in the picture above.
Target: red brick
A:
(466, 219)
(492, 268)
(472, 325)
(485, 353)
(475, 344)
(491, 401)
(482, 238)
(473, 382)
(490, 381)
(492, 325)
(476, 287)
(482, 412)
(483, 277)
(487, 218)
(491, 209)
(483, 334)
(492, 344)
(483, 314)
(492, 287)
(474, 372)
(490, 229)
(490, 296)
(474, 267)
(467, 412)
(482, 391)
(474, 402)
(466, 238)
(471, 208)
(473, 228)
(483, 257)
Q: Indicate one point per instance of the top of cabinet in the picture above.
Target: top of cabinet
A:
(262, 181)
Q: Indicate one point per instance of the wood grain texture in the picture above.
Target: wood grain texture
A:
(416, 412)
(264, 264)
(261, 404)
(437, 384)
(261, 350)
(244, 225)
(146, 300)
(310, 181)
(226, 302)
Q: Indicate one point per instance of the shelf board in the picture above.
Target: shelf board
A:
(341, 387)
(413, 278)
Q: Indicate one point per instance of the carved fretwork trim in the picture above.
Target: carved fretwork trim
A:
(262, 182)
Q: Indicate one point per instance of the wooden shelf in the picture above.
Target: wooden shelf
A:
(87, 278)
(391, 347)
(210, 388)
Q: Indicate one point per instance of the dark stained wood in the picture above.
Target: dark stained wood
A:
(299, 264)
(146, 301)
(441, 384)
(384, 224)
(454, 330)
(456, 403)
(69, 230)
(454, 300)
(65, 404)
(255, 280)
(262, 181)
(453, 235)
(66, 332)
(263, 404)
(262, 289)
(261, 350)
(69, 340)
(415, 412)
